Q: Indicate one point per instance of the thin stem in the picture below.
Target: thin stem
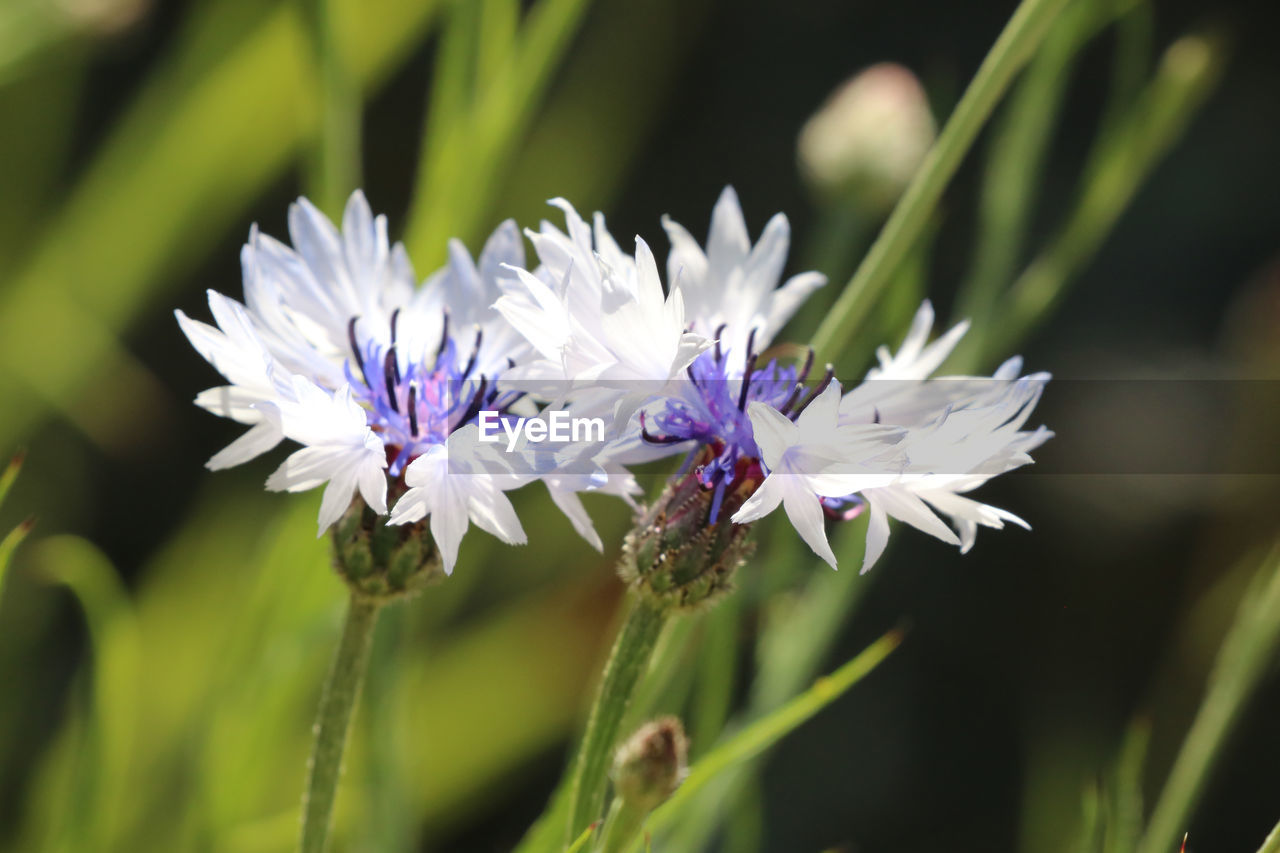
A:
(1272, 842)
(628, 661)
(621, 827)
(1015, 163)
(333, 722)
(1246, 655)
(335, 161)
(1118, 166)
(1011, 51)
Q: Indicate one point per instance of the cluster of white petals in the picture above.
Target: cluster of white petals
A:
(338, 348)
(950, 436)
(901, 444)
(381, 380)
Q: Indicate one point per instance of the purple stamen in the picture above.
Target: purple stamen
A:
(444, 336)
(390, 374)
(413, 410)
(475, 351)
(822, 386)
(355, 347)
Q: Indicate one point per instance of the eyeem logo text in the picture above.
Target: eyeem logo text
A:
(557, 427)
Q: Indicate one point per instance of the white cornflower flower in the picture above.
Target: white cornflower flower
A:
(900, 444)
(339, 350)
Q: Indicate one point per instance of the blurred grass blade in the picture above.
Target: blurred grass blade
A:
(11, 474)
(161, 191)
(1187, 74)
(10, 543)
(1008, 55)
(580, 843)
(28, 29)
(1247, 652)
(1015, 165)
(789, 658)
(786, 661)
(452, 92)
(462, 171)
(14, 537)
(717, 667)
(334, 167)
(499, 26)
(1131, 67)
(100, 779)
(763, 733)
(1123, 827)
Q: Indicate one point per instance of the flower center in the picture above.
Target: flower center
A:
(713, 411)
(418, 405)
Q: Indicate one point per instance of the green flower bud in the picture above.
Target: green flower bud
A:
(675, 556)
(651, 764)
(382, 561)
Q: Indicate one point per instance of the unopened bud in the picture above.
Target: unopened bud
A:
(103, 17)
(869, 138)
(380, 560)
(651, 764)
(675, 555)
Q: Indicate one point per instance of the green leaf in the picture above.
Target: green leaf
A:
(763, 733)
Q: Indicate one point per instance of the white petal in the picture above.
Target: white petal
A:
(773, 432)
(818, 420)
(788, 298)
(877, 537)
(412, 507)
(728, 242)
(763, 266)
(686, 264)
(493, 513)
(805, 511)
(305, 469)
(232, 401)
(337, 497)
(448, 526)
(571, 505)
(373, 487)
(763, 501)
(906, 506)
(257, 441)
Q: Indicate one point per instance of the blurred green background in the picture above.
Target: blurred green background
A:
(164, 631)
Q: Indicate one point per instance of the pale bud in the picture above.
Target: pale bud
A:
(651, 764)
(869, 138)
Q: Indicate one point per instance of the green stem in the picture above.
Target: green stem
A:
(1016, 155)
(621, 827)
(333, 722)
(1246, 655)
(1272, 842)
(1011, 51)
(628, 661)
(1121, 162)
(335, 161)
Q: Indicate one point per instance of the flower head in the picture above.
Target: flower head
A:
(756, 434)
(338, 349)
